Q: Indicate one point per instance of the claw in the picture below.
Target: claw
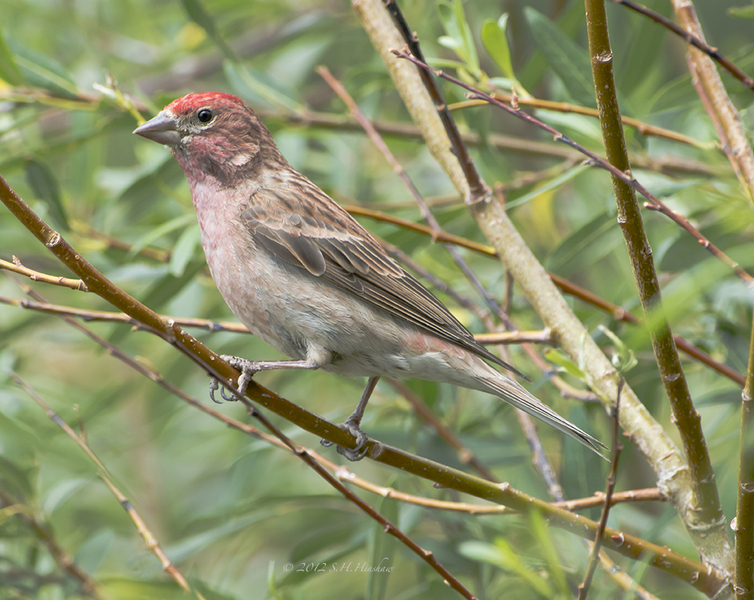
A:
(352, 454)
(213, 387)
(247, 368)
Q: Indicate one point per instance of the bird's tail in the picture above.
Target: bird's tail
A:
(512, 392)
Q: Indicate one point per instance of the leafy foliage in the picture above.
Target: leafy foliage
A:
(231, 511)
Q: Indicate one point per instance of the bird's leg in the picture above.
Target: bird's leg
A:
(351, 425)
(314, 360)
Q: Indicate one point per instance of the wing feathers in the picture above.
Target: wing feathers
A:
(349, 258)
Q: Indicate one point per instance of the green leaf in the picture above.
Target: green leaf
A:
(165, 289)
(199, 15)
(39, 70)
(566, 58)
(549, 551)
(502, 555)
(45, 186)
(458, 34)
(586, 245)
(550, 185)
(495, 41)
(466, 35)
(383, 551)
(742, 12)
(254, 86)
(560, 359)
(9, 71)
(624, 358)
(155, 234)
(183, 251)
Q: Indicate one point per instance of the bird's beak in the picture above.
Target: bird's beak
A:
(162, 129)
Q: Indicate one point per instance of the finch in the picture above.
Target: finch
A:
(306, 278)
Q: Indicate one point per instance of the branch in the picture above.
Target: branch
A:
(564, 107)
(216, 366)
(692, 40)
(672, 472)
(735, 142)
(150, 541)
(595, 159)
(744, 521)
(17, 267)
(708, 581)
(611, 479)
(705, 499)
(64, 560)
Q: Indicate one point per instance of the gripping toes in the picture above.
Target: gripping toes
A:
(247, 368)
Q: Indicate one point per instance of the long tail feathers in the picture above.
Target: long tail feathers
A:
(516, 395)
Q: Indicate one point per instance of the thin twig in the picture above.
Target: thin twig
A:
(611, 479)
(343, 474)
(671, 470)
(65, 561)
(507, 337)
(643, 128)
(219, 368)
(597, 161)
(692, 40)
(706, 580)
(17, 267)
(150, 541)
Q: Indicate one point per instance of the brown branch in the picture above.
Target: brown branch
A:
(572, 289)
(672, 472)
(343, 474)
(692, 40)
(219, 368)
(507, 337)
(706, 580)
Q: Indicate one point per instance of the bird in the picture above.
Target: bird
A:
(304, 276)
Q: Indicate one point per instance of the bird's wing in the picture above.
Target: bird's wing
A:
(311, 231)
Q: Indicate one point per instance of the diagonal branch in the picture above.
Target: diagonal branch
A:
(707, 580)
(691, 40)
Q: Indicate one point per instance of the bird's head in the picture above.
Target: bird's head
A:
(213, 134)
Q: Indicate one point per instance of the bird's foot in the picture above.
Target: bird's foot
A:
(353, 454)
(247, 368)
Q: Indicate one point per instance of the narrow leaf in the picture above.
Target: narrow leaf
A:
(496, 43)
(40, 70)
(568, 60)
(9, 70)
(742, 12)
(199, 15)
(45, 186)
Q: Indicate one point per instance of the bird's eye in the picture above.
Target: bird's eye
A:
(204, 115)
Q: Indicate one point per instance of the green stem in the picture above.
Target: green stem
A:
(705, 502)
(745, 509)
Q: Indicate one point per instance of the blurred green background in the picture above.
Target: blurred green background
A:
(231, 511)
